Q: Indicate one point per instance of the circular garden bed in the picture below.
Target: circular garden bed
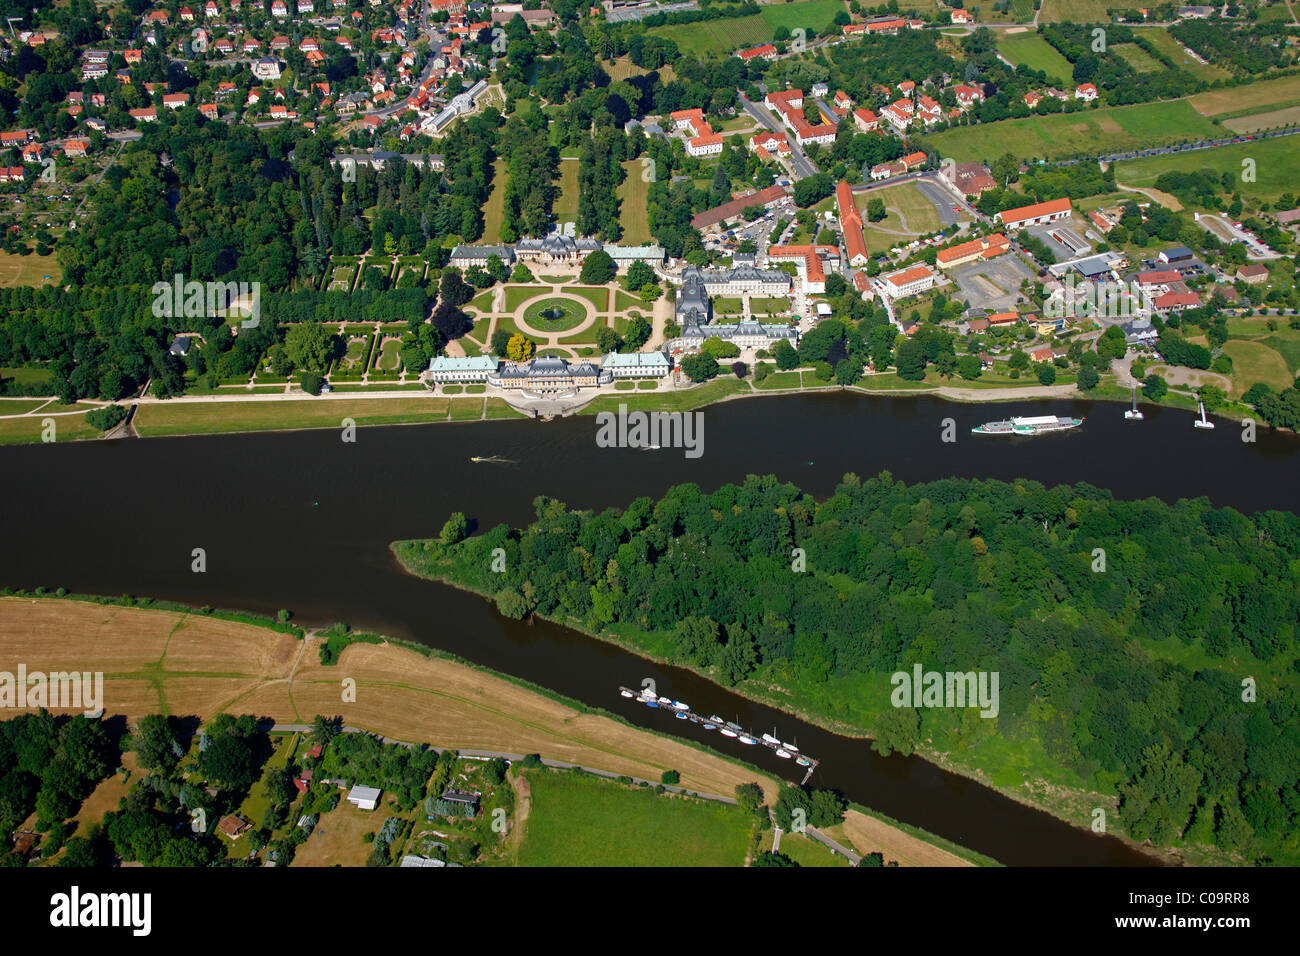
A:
(555, 315)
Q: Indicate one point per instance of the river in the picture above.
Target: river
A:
(303, 521)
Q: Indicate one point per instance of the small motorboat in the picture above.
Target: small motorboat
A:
(665, 701)
(783, 753)
(652, 703)
(726, 731)
(680, 716)
(803, 761)
(791, 747)
(708, 726)
(769, 739)
(746, 739)
(626, 693)
(677, 704)
(715, 719)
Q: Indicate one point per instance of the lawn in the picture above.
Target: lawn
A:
(728, 306)
(1264, 95)
(1171, 48)
(1083, 133)
(1273, 119)
(15, 431)
(598, 296)
(633, 212)
(517, 295)
(572, 314)
(30, 269)
(494, 211)
(806, 851)
(778, 380)
(670, 401)
(717, 36)
(25, 375)
(390, 359)
(580, 820)
(1274, 166)
(1037, 54)
(1138, 58)
(813, 14)
(1287, 344)
(1078, 11)
(566, 206)
(769, 305)
(194, 418)
(625, 302)
(483, 301)
(1255, 362)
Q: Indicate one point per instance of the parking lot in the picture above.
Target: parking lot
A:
(992, 285)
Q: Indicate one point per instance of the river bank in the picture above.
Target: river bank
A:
(192, 416)
(1066, 804)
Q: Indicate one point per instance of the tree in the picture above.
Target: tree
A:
(607, 340)
(1154, 387)
(768, 858)
(597, 269)
(455, 529)
(153, 743)
(308, 345)
(1088, 378)
(1046, 373)
(848, 372)
(876, 210)
(312, 382)
(970, 367)
(910, 360)
(786, 356)
(521, 273)
(638, 275)
(671, 777)
(519, 348)
(501, 341)
(700, 367)
(749, 796)
(453, 290)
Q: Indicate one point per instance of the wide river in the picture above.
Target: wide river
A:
(303, 521)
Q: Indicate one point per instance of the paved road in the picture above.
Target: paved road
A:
(801, 166)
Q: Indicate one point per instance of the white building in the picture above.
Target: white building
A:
(364, 798)
(637, 364)
(468, 368)
(905, 282)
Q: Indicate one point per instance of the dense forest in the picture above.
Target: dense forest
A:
(1124, 677)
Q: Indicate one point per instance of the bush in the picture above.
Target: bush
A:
(671, 777)
(312, 382)
(108, 417)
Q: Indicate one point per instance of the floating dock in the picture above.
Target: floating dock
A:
(724, 727)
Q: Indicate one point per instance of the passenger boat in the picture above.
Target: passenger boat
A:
(1028, 425)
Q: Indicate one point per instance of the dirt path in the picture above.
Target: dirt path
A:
(1155, 195)
(523, 806)
(997, 394)
(869, 835)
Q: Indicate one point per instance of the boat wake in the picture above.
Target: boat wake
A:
(493, 460)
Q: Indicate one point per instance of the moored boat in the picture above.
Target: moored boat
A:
(746, 739)
(727, 731)
(783, 753)
(1028, 425)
